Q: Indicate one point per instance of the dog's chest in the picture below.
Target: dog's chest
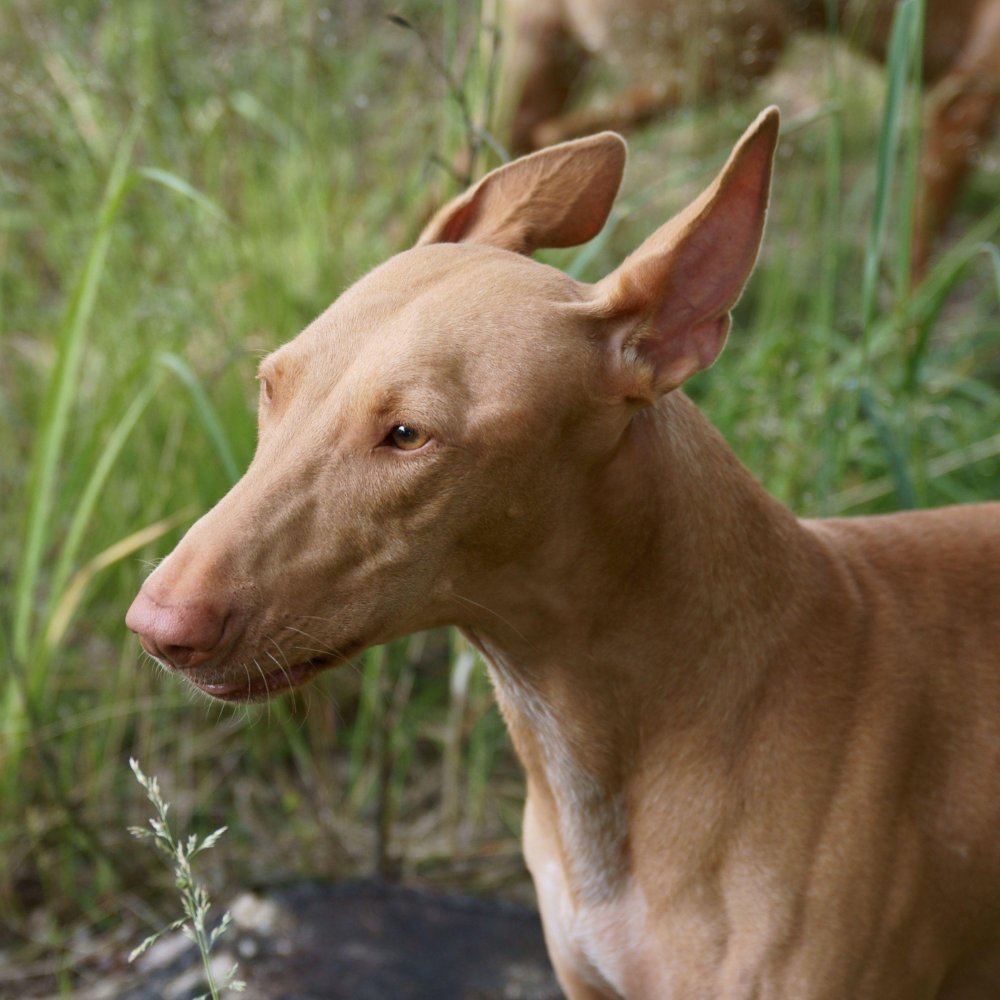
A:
(605, 943)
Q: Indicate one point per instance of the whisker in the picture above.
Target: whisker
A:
(308, 635)
(263, 677)
(325, 650)
(496, 614)
(284, 672)
(313, 649)
(279, 649)
(241, 709)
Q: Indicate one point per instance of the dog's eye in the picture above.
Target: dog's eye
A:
(406, 438)
(266, 389)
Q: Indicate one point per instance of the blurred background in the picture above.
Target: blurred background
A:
(183, 187)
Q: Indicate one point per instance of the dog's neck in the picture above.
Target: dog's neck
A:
(648, 612)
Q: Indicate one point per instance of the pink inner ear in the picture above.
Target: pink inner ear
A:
(682, 282)
(677, 353)
(455, 227)
(557, 197)
(689, 289)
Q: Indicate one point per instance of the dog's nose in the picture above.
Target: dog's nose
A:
(184, 635)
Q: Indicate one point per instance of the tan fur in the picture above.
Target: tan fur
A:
(762, 754)
(667, 53)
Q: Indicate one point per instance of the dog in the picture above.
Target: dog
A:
(762, 754)
(675, 52)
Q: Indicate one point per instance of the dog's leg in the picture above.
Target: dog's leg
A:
(635, 107)
(542, 62)
(961, 110)
(736, 49)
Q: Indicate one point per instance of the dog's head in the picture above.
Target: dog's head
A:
(440, 430)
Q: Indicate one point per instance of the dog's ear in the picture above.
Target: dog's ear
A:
(666, 308)
(557, 197)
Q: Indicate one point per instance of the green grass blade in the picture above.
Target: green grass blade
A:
(180, 186)
(370, 709)
(926, 304)
(911, 143)
(833, 171)
(69, 598)
(991, 251)
(898, 469)
(206, 412)
(84, 508)
(944, 465)
(61, 395)
(901, 45)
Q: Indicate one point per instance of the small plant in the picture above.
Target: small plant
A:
(194, 895)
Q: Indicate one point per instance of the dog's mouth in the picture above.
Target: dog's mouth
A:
(264, 684)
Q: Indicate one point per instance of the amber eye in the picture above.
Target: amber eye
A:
(407, 438)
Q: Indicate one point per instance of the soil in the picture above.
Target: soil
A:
(356, 941)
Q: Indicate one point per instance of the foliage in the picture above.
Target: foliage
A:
(195, 901)
(182, 188)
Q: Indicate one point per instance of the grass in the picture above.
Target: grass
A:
(179, 852)
(181, 192)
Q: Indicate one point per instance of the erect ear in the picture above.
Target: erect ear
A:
(557, 197)
(667, 306)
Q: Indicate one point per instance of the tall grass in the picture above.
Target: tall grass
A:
(183, 187)
(182, 193)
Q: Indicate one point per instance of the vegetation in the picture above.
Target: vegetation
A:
(195, 903)
(182, 187)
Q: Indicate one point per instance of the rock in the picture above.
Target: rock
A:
(362, 941)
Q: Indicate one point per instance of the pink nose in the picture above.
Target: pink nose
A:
(184, 636)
